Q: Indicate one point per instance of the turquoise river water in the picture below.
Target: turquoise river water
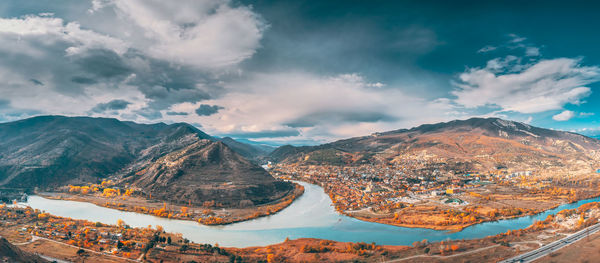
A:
(310, 216)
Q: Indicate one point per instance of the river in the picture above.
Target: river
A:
(310, 216)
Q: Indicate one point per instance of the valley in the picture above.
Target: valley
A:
(59, 237)
(449, 175)
(452, 204)
(466, 187)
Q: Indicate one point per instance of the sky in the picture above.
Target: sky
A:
(302, 72)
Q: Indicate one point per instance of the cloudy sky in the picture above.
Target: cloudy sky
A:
(301, 72)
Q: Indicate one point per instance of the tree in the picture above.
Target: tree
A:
(120, 223)
(454, 247)
(183, 248)
(169, 240)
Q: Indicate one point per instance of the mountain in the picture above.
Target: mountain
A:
(254, 152)
(206, 171)
(57, 150)
(52, 151)
(11, 253)
(473, 144)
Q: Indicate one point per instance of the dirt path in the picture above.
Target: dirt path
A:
(35, 238)
(443, 257)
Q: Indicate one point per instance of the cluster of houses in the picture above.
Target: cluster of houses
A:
(9, 195)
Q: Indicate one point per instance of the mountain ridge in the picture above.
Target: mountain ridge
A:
(47, 152)
(481, 142)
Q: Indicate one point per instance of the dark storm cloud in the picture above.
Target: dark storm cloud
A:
(83, 80)
(317, 118)
(39, 63)
(149, 114)
(207, 110)
(36, 82)
(264, 134)
(113, 105)
(175, 113)
(103, 64)
(166, 84)
(163, 97)
(414, 46)
(163, 83)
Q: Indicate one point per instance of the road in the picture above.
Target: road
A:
(442, 257)
(34, 238)
(554, 246)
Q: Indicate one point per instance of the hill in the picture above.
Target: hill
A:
(473, 144)
(56, 150)
(206, 171)
(11, 253)
(52, 151)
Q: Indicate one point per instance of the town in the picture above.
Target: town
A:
(431, 195)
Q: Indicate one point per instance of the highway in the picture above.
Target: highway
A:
(554, 246)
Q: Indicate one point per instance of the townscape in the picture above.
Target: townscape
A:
(387, 195)
(281, 131)
(79, 241)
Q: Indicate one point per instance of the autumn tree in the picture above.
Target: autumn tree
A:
(120, 223)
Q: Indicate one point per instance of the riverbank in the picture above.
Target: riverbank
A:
(85, 241)
(206, 215)
(460, 209)
(312, 215)
(425, 213)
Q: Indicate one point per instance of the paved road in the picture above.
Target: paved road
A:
(554, 246)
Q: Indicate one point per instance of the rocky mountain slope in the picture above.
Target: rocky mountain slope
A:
(206, 171)
(52, 151)
(473, 144)
(11, 253)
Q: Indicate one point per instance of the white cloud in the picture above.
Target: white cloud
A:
(564, 116)
(532, 51)
(589, 131)
(179, 48)
(54, 29)
(207, 34)
(529, 88)
(487, 49)
(97, 5)
(514, 38)
(322, 108)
